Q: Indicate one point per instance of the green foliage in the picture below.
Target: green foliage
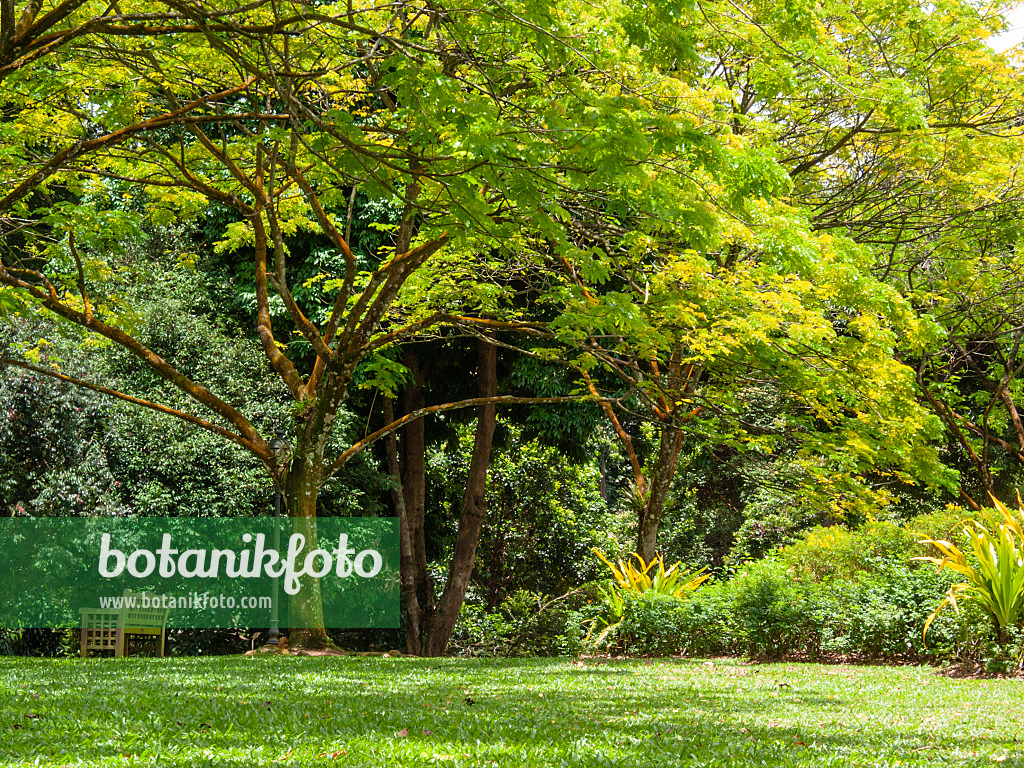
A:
(881, 615)
(631, 607)
(68, 451)
(51, 460)
(946, 524)
(837, 553)
(544, 512)
(525, 624)
(39, 642)
(748, 222)
(653, 623)
(767, 612)
(772, 614)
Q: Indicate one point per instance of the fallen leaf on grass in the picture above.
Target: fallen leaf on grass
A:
(402, 733)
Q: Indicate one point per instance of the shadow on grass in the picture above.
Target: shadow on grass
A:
(306, 712)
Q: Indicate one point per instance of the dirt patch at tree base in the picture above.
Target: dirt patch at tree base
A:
(275, 650)
(973, 671)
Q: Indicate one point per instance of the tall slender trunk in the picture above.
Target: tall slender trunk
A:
(431, 620)
(410, 600)
(441, 624)
(660, 481)
(413, 466)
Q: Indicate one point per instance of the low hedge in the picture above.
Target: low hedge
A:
(836, 593)
(767, 612)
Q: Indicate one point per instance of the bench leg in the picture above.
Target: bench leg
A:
(84, 651)
(119, 644)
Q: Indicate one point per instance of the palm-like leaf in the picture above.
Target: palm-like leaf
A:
(995, 573)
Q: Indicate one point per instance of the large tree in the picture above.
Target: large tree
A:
(466, 128)
(901, 130)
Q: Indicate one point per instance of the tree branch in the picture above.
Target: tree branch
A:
(472, 402)
(197, 392)
(79, 148)
(187, 417)
(81, 275)
(280, 362)
(361, 324)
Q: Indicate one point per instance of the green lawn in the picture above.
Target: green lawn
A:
(412, 712)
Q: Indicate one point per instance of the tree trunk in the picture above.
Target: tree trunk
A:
(1011, 408)
(305, 609)
(410, 600)
(660, 481)
(430, 621)
(413, 485)
(441, 624)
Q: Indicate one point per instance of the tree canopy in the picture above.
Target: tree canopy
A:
(784, 229)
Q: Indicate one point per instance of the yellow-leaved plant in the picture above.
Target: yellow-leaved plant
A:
(654, 576)
(995, 570)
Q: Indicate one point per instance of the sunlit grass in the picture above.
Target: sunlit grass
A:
(417, 712)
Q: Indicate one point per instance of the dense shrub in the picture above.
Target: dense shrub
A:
(480, 632)
(708, 621)
(773, 613)
(767, 611)
(837, 552)
(525, 624)
(38, 642)
(883, 616)
(946, 524)
(653, 624)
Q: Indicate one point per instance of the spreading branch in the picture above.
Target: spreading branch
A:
(49, 300)
(263, 455)
(472, 402)
(80, 148)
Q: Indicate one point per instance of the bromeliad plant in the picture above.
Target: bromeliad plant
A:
(675, 581)
(654, 576)
(995, 573)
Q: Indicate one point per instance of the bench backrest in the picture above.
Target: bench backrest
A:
(134, 616)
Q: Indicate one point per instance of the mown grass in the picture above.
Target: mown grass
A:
(415, 712)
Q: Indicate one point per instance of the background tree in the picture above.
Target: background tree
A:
(900, 129)
(895, 136)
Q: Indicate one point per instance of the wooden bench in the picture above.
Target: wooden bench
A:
(123, 630)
